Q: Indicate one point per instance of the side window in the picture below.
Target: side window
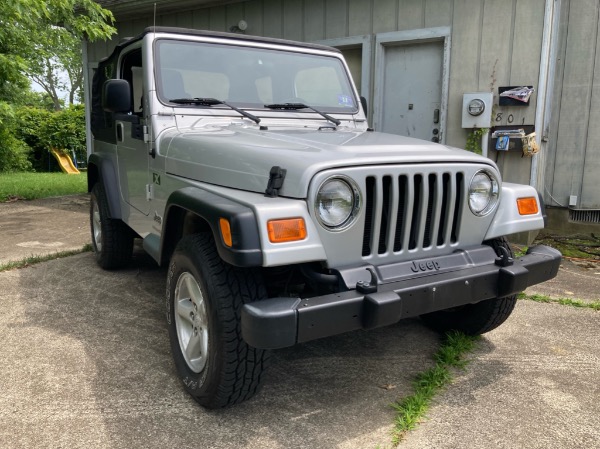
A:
(137, 88)
(132, 71)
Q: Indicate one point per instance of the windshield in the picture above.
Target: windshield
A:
(251, 77)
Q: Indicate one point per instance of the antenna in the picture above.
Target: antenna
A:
(154, 17)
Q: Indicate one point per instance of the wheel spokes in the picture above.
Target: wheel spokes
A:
(191, 321)
(185, 309)
(97, 227)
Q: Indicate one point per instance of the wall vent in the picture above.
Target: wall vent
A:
(584, 216)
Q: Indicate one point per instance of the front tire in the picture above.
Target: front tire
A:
(112, 240)
(204, 301)
(479, 318)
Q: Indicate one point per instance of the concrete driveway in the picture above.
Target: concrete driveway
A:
(86, 363)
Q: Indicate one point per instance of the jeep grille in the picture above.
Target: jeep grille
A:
(412, 211)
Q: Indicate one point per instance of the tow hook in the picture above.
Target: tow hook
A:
(365, 287)
(503, 259)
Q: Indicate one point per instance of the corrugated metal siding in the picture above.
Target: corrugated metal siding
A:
(573, 162)
(494, 43)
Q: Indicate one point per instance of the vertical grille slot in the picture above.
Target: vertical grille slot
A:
(369, 204)
(446, 191)
(457, 207)
(431, 179)
(385, 214)
(412, 211)
(416, 212)
(400, 216)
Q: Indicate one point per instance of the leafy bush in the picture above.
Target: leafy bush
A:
(42, 130)
(65, 130)
(13, 151)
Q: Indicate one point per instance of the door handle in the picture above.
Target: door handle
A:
(436, 116)
(120, 132)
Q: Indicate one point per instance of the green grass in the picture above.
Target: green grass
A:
(29, 186)
(411, 410)
(32, 260)
(595, 305)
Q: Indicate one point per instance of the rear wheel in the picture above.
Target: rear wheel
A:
(479, 318)
(204, 301)
(111, 238)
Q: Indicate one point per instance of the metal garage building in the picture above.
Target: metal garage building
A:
(414, 59)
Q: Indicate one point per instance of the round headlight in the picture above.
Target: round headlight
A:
(337, 203)
(483, 193)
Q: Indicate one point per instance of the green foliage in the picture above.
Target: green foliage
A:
(65, 130)
(30, 186)
(39, 100)
(42, 130)
(13, 152)
(575, 246)
(38, 30)
(36, 35)
(594, 305)
(474, 140)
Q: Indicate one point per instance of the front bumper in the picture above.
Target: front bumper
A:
(404, 290)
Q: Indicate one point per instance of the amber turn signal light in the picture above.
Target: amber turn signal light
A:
(226, 231)
(527, 206)
(287, 230)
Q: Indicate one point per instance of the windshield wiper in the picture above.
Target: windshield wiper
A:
(213, 102)
(295, 106)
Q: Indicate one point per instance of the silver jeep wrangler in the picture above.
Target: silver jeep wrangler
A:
(246, 165)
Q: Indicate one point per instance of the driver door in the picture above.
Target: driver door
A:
(132, 149)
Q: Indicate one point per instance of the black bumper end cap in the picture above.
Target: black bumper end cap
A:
(381, 309)
(271, 325)
(512, 280)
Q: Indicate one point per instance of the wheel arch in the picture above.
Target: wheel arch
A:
(191, 210)
(102, 169)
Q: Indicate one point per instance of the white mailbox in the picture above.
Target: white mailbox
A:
(477, 110)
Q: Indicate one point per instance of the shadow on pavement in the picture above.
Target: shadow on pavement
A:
(90, 365)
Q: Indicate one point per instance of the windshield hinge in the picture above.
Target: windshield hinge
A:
(276, 178)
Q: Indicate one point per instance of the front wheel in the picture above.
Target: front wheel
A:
(112, 240)
(479, 318)
(204, 301)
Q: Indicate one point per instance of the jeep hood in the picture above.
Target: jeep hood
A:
(241, 157)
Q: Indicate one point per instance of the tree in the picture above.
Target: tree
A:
(25, 27)
(30, 26)
(57, 54)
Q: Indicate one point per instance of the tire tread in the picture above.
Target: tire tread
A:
(117, 238)
(242, 365)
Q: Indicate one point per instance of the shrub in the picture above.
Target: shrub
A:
(43, 130)
(13, 151)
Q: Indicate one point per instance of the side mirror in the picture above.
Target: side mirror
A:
(363, 102)
(116, 96)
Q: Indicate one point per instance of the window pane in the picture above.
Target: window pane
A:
(251, 77)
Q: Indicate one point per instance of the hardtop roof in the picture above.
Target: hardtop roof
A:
(233, 36)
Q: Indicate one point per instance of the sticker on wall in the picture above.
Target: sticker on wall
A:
(502, 143)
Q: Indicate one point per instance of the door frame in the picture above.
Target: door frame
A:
(400, 38)
(365, 43)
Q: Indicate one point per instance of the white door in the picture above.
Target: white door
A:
(410, 93)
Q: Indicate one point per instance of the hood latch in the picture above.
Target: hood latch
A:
(276, 178)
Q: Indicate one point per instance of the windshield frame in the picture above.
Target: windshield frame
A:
(343, 74)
